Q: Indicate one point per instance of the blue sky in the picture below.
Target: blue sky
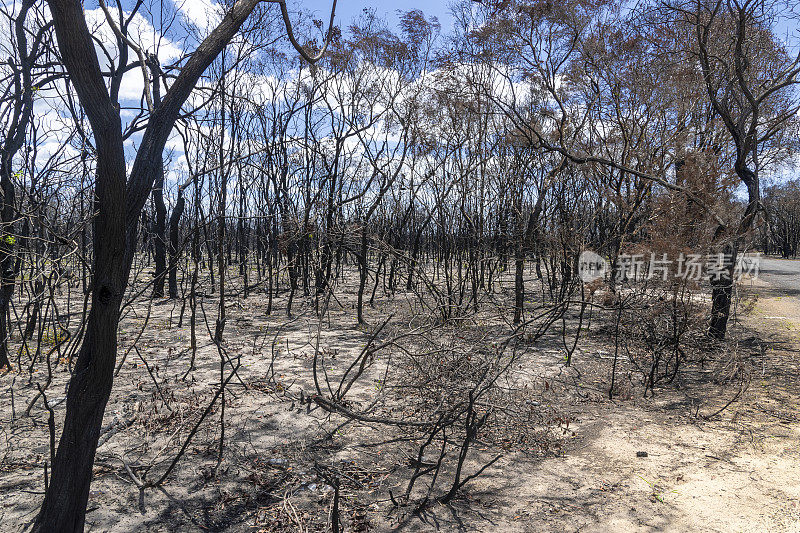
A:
(347, 10)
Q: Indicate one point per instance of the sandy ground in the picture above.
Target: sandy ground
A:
(737, 470)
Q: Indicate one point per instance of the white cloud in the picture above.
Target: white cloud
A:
(204, 14)
(140, 31)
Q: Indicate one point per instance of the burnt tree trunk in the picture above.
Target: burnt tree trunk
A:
(117, 204)
(174, 245)
(722, 294)
(160, 230)
(362, 273)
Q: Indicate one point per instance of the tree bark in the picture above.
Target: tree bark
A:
(118, 204)
(174, 234)
(721, 295)
(160, 230)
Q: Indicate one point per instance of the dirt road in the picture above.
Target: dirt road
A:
(781, 275)
(777, 288)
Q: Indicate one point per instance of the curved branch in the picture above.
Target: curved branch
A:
(293, 40)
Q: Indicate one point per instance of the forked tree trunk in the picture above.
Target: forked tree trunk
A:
(118, 203)
(160, 225)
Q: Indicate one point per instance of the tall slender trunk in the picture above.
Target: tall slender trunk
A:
(160, 229)
(174, 234)
(7, 274)
(519, 283)
(222, 188)
(362, 281)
